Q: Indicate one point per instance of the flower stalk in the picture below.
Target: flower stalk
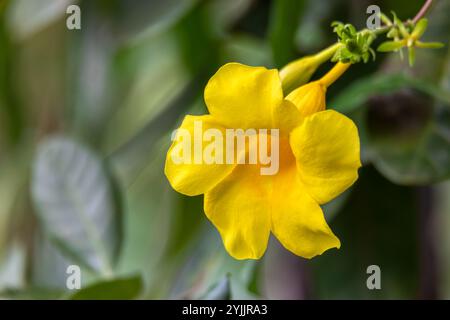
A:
(335, 73)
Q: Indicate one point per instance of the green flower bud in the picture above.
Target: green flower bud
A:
(391, 46)
(298, 73)
(419, 29)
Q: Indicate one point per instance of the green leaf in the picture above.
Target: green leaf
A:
(284, 21)
(390, 46)
(76, 204)
(116, 289)
(344, 31)
(403, 31)
(385, 19)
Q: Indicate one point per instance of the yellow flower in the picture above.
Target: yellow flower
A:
(318, 160)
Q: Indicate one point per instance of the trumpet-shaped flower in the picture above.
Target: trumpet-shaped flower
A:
(318, 160)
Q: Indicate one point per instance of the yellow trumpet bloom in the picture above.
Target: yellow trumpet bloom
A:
(319, 157)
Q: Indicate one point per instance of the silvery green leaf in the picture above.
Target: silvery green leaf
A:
(74, 198)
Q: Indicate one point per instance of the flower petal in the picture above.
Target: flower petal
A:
(326, 146)
(298, 222)
(238, 208)
(186, 174)
(297, 219)
(243, 96)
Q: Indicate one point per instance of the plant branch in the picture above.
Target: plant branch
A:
(422, 11)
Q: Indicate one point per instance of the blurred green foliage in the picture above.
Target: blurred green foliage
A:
(85, 122)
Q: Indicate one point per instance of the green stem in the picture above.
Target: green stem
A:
(426, 6)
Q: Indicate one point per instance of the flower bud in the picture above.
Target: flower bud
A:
(309, 98)
(419, 29)
(298, 73)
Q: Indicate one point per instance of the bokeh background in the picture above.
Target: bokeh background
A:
(85, 123)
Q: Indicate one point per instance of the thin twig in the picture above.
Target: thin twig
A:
(422, 11)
